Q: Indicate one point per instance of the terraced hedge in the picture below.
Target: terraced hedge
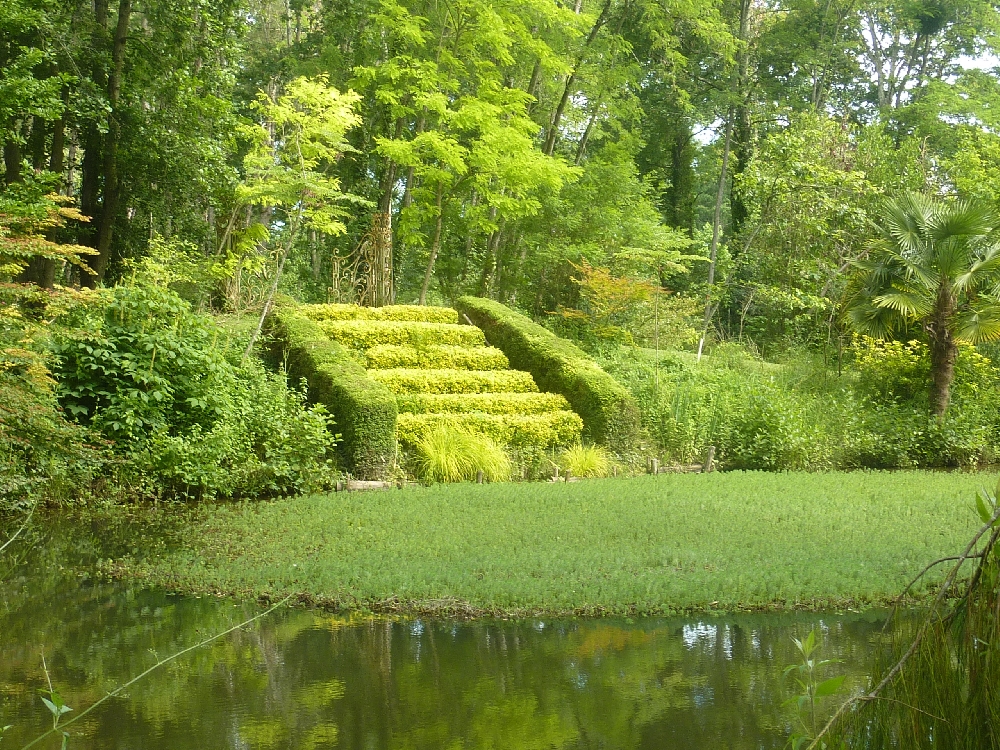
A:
(389, 312)
(363, 409)
(487, 403)
(454, 381)
(365, 334)
(435, 357)
(534, 431)
(610, 416)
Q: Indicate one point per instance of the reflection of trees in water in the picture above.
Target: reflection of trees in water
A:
(306, 679)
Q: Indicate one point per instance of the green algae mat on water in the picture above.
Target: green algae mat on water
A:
(726, 541)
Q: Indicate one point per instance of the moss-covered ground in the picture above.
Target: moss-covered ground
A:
(726, 541)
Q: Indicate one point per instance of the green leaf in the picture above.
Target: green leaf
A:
(829, 687)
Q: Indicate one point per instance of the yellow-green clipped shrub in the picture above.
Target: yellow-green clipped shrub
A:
(364, 410)
(445, 454)
(364, 334)
(553, 429)
(390, 312)
(585, 461)
(454, 381)
(487, 403)
(608, 410)
(435, 356)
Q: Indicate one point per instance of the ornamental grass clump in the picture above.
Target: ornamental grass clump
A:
(585, 461)
(449, 455)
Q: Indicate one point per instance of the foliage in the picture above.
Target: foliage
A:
(268, 444)
(608, 411)
(936, 266)
(28, 217)
(448, 454)
(626, 546)
(364, 334)
(487, 403)
(424, 313)
(364, 410)
(585, 461)
(435, 357)
(942, 694)
(138, 361)
(800, 415)
(401, 381)
(620, 309)
(135, 364)
(531, 432)
(811, 689)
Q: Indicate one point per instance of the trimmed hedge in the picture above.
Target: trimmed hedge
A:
(435, 356)
(454, 381)
(364, 410)
(534, 431)
(487, 403)
(389, 312)
(610, 416)
(365, 334)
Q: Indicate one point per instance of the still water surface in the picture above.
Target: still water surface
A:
(307, 679)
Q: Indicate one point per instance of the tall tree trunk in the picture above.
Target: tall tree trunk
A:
(435, 247)
(680, 195)
(716, 231)
(742, 128)
(42, 271)
(112, 193)
(943, 351)
(12, 161)
(550, 139)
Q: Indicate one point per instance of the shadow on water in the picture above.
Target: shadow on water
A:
(306, 679)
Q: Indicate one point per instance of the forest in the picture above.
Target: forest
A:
(259, 255)
(773, 222)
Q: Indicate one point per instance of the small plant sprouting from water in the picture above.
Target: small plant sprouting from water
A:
(54, 703)
(811, 689)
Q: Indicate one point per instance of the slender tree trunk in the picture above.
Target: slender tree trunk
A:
(12, 161)
(112, 192)
(435, 247)
(550, 140)
(943, 351)
(742, 128)
(716, 230)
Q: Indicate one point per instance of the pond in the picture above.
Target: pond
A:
(308, 679)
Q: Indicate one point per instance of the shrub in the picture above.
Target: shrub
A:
(364, 334)
(424, 313)
(585, 461)
(435, 356)
(403, 381)
(535, 431)
(136, 360)
(446, 454)
(610, 415)
(487, 403)
(363, 409)
(269, 444)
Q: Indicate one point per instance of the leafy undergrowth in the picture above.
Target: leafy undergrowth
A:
(715, 542)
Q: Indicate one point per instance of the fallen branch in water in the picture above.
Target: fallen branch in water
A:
(160, 663)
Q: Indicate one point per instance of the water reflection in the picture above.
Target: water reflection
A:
(304, 679)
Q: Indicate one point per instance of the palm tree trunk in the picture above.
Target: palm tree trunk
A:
(943, 351)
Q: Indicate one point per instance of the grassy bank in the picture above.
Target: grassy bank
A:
(647, 545)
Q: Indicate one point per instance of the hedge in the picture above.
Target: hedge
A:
(454, 381)
(610, 416)
(363, 410)
(435, 356)
(364, 334)
(487, 403)
(534, 431)
(389, 312)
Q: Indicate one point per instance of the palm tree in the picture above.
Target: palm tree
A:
(936, 265)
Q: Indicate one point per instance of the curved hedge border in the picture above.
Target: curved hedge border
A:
(549, 430)
(364, 334)
(405, 380)
(363, 410)
(610, 416)
(435, 357)
(409, 313)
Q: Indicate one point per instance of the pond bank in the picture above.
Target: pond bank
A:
(646, 546)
